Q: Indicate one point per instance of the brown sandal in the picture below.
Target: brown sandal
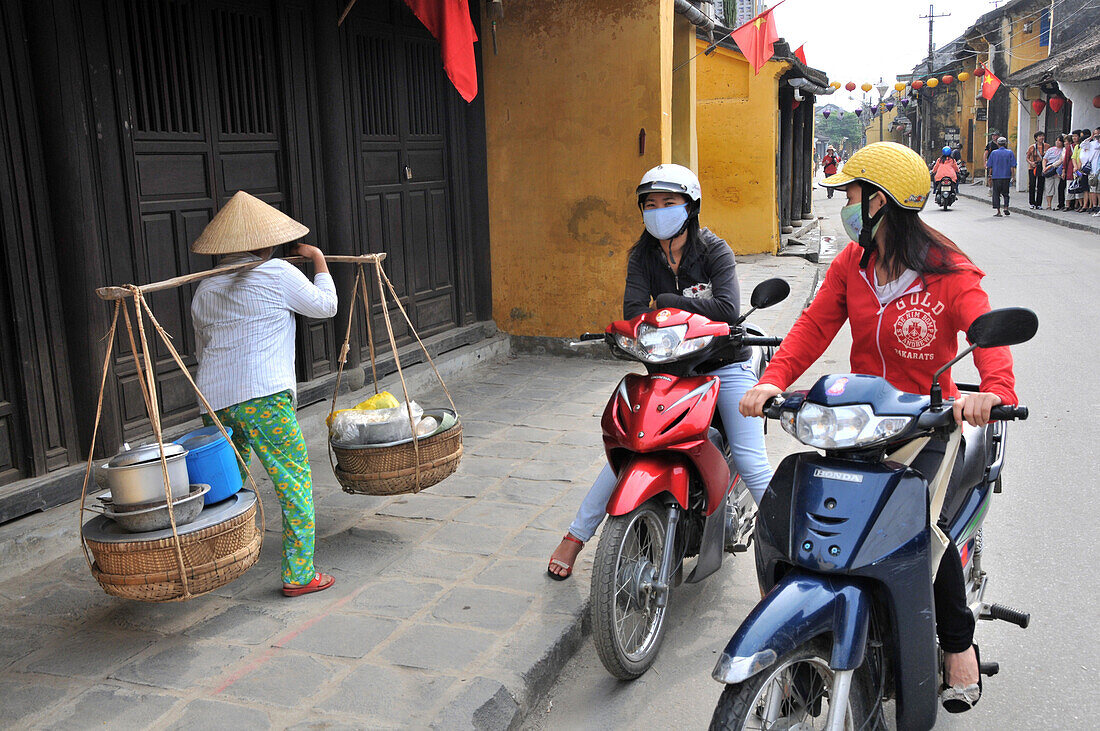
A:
(558, 562)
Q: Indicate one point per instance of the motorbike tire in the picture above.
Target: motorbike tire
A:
(739, 702)
(610, 571)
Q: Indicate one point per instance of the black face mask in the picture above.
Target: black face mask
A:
(866, 234)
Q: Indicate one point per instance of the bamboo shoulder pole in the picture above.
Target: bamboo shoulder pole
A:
(117, 293)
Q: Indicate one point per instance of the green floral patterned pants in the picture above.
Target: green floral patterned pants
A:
(269, 426)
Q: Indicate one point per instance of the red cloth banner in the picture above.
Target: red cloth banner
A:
(990, 84)
(449, 21)
(756, 38)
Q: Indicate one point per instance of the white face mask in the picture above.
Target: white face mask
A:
(664, 223)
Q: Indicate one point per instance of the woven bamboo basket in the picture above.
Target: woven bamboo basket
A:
(392, 469)
(204, 551)
(166, 586)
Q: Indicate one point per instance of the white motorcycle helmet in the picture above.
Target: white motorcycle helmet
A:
(672, 178)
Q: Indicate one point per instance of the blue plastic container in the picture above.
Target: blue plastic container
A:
(211, 461)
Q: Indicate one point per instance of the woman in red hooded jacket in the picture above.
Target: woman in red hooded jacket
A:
(907, 291)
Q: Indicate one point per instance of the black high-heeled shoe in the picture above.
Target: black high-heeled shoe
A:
(957, 699)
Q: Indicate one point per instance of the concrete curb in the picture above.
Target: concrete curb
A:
(1039, 215)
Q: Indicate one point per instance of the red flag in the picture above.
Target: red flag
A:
(449, 21)
(801, 55)
(756, 38)
(990, 84)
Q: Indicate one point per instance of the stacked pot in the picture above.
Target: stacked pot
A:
(137, 497)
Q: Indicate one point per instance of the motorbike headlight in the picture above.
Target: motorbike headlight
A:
(841, 427)
(662, 344)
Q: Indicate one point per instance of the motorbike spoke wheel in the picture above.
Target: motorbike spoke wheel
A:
(792, 695)
(627, 623)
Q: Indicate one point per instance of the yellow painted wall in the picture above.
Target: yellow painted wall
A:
(572, 84)
(738, 134)
(889, 119)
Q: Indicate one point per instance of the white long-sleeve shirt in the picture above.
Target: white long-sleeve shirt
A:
(244, 328)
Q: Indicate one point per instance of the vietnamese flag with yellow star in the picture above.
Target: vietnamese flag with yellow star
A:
(990, 84)
(757, 37)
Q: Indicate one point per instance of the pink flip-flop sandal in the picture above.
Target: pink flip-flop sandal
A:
(320, 582)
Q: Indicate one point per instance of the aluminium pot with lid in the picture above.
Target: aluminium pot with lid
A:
(145, 453)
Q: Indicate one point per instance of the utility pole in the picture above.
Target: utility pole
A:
(926, 134)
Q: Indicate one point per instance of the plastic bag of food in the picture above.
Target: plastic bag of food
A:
(360, 427)
(383, 400)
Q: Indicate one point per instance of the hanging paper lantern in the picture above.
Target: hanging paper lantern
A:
(900, 86)
(795, 103)
(850, 86)
(825, 114)
(1056, 104)
(905, 102)
(866, 87)
(964, 76)
(1038, 105)
(890, 105)
(947, 79)
(932, 83)
(874, 109)
(917, 84)
(1096, 101)
(859, 112)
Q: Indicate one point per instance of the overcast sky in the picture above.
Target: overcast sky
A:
(862, 40)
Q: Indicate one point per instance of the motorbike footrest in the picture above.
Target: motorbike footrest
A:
(1008, 614)
(989, 669)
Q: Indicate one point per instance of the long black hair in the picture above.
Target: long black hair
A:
(912, 243)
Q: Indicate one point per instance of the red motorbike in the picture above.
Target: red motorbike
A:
(677, 496)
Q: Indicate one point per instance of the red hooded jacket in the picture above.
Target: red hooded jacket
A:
(906, 340)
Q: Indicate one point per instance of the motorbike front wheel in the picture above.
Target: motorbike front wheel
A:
(627, 623)
(794, 693)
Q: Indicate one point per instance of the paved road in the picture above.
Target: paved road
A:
(1038, 531)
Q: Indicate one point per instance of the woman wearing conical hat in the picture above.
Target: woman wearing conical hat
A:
(244, 340)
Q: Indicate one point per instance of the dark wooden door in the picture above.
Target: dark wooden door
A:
(203, 97)
(13, 463)
(402, 142)
(36, 427)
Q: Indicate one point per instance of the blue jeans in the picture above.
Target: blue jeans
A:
(745, 435)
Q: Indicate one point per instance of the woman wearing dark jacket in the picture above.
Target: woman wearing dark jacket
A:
(677, 264)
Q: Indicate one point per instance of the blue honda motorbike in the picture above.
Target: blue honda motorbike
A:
(845, 551)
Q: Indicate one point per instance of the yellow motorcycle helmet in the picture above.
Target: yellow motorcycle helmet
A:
(896, 169)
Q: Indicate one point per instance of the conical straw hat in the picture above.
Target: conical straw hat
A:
(246, 223)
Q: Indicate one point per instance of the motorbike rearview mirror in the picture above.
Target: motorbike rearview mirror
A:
(767, 293)
(1008, 326)
(994, 329)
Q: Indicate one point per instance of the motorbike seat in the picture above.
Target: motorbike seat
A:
(717, 439)
(975, 459)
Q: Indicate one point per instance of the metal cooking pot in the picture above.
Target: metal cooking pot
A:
(135, 475)
(157, 518)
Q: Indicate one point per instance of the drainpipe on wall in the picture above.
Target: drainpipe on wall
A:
(696, 17)
(806, 85)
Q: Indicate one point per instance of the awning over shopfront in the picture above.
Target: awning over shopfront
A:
(1079, 62)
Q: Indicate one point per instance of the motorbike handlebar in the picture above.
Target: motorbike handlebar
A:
(1008, 413)
(755, 340)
